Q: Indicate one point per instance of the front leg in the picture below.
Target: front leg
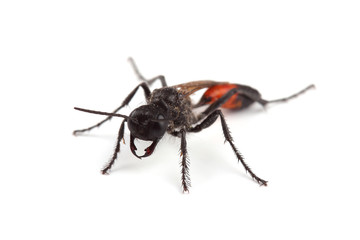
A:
(127, 100)
(120, 137)
(185, 176)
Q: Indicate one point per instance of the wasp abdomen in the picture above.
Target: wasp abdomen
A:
(236, 102)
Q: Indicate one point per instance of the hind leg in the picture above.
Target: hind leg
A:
(290, 97)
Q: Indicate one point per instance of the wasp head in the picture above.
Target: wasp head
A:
(149, 123)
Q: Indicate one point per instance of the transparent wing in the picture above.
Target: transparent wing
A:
(191, 87)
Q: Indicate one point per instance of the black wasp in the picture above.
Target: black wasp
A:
(169, 109)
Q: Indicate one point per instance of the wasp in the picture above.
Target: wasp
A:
(169, 109)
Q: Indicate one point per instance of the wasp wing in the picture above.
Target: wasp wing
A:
(191, 87)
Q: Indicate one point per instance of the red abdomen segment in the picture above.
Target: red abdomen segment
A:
(235, 102)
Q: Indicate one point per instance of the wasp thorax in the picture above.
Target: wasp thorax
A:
(148, 122)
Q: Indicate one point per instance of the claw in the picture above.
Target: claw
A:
(261, 182)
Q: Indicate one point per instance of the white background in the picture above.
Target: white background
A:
(55, 55)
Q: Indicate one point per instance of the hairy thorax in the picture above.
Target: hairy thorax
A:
(179, 106)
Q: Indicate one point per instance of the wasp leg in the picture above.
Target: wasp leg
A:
(255, 96)
(108, 166)
(290, 97)
(185, 176)
(125, 102)
(208, 122)
(141, 77)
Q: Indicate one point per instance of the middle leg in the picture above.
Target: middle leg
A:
(208, 122)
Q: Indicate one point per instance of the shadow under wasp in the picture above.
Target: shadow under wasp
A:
(169, 110)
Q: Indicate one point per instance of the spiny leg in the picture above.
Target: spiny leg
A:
(290, 97)
(147, 93)
(120, 137)
(208, 122)
(141, 77)
(185, 177)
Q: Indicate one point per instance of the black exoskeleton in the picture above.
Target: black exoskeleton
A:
(169, 109)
